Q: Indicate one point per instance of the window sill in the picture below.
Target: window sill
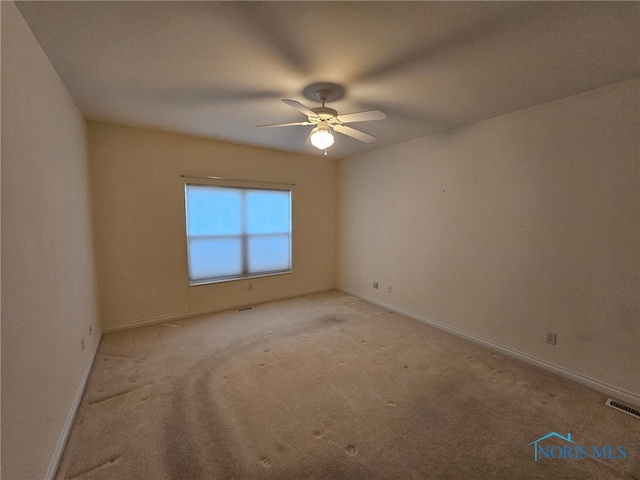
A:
(235, 279)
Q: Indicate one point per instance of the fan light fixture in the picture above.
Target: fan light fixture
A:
(321, 137)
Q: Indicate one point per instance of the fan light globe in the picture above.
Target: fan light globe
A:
(321, 137)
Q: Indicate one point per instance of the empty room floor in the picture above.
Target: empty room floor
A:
(328, 386)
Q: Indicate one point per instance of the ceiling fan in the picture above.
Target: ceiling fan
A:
(325, 119)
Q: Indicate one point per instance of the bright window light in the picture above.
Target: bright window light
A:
(236, 232)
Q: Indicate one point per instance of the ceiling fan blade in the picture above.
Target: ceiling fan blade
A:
(300, 107)
(362, 116)
(290, 124)
(352, 132)
(308, 141)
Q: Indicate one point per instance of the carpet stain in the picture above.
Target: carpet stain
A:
(115, 356)
(265, 460)
(392, 404)
(109, 463)
(351, 450)
(282, 447)
(333, 319)
(117, 395)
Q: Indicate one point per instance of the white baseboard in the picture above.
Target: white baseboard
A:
(611, 391)
(66, 429)
(219, 308)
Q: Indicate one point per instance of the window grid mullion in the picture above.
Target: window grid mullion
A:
(245, 240)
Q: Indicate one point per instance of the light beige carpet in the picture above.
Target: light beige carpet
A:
(329, 387)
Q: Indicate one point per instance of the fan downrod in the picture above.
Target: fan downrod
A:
(323, 95)
(323, 112)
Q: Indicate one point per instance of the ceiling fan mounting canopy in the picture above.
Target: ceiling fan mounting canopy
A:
(334, 91)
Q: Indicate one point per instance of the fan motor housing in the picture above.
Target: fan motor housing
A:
(325, 113)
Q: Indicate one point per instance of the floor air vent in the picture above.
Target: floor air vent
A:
(623, 408)
(243, 309)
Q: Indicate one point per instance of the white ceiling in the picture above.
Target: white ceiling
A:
(218, 69)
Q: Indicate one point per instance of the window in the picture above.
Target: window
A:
(237, 232)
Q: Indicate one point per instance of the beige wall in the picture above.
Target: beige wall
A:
(48, 291)
(138, 199)
(508, 228)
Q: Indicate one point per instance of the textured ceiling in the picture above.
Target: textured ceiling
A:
(218, 69)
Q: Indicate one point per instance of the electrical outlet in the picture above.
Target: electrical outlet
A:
(375, 284)
(551, 338)
(389, 289)
(82, 344)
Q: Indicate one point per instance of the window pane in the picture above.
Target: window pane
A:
(236, 232)
(212, 258)
(268, 211)
(269, 254)
(213, 211)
